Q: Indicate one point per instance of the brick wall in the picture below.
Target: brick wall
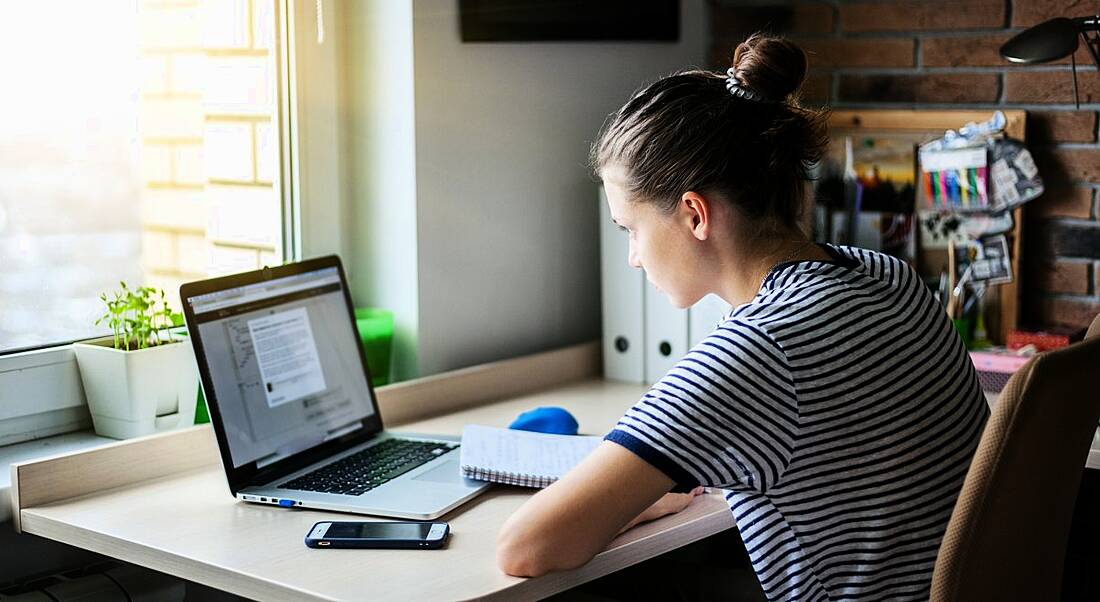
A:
(209, 152)
(938, 54)
(170, 123)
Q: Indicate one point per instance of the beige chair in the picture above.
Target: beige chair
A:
(1007, 536)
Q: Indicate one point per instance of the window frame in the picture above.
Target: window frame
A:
(312, 161)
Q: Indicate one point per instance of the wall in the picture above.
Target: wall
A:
(381, 159)
(507, 212)
(506, 255)
(938, 54)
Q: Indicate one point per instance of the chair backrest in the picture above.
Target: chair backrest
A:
(1007, 536)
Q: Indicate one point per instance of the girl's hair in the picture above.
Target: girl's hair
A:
(688, 131)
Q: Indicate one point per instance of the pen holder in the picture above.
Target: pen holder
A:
(375, 328)
(202, 413)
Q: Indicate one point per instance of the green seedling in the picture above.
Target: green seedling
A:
(138, 318)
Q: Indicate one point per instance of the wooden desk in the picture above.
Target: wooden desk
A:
(162, 502)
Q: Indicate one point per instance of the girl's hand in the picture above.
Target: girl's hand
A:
(670, 503)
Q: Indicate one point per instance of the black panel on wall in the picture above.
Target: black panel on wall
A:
(569, 20)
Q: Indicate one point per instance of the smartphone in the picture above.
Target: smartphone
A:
(410, 535)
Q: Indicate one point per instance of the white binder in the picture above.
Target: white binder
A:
(704, 316)
(622, 288)
(666, 334)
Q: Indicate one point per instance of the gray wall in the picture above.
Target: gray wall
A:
(507, 256)
(381, 160)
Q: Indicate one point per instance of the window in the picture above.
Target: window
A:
(139, 141)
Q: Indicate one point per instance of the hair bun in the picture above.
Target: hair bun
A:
(772, 67)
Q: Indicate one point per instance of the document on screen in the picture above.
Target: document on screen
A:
(287, 356)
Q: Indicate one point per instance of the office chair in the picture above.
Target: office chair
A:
(1007, 536)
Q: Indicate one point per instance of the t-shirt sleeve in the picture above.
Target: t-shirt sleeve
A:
(726, 415)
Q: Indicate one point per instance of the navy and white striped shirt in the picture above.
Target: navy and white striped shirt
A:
(840, 410)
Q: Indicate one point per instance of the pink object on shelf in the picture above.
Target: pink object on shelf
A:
(995, 367)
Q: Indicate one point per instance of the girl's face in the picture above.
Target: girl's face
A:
(663, 244)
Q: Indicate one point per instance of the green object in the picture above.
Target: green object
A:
(376, 332)
(979, 336)
(962, 325)
(202, 415)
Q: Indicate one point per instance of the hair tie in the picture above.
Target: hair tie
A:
(740, 90)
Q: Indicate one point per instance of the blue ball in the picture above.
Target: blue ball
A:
(554, 420)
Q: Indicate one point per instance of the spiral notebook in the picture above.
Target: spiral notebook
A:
(520, 458)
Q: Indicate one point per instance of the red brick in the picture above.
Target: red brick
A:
(859, 53)
(737, 22)
(1070, 311)
(940, 87)
(1062, 277)
(1074, 239)
(1026, 13)
(1069, 164)
(813, 18)
(976, 51)
(1051, 86)
(1062, 201)
(1061, 126)
(914, 15)
(817, 89)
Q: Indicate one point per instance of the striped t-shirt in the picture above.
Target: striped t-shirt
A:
(840, 411)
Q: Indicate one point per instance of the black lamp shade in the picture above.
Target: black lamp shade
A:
(1047, 41)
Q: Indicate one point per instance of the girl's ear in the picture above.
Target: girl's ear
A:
(697, 214)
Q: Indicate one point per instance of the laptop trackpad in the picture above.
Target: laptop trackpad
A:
(444, 473)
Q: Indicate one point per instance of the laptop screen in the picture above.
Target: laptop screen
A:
(282, 358)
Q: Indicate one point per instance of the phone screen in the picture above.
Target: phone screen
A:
(378, 530)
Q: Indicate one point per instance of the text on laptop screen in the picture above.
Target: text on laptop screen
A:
(283, 359)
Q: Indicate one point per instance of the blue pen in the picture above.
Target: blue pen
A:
(952, 187)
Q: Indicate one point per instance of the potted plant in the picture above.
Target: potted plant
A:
(142, 379)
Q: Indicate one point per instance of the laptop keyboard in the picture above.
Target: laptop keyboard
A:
(365, 470)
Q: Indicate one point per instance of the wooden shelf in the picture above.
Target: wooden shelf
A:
(1002, 302)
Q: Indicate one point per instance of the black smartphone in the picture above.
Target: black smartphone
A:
(409, 535)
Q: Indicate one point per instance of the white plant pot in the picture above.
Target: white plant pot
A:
(134, 393)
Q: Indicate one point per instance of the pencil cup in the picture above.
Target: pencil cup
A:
(962, 326)
(375, 328)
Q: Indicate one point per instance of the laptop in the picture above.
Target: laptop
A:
(291, 401)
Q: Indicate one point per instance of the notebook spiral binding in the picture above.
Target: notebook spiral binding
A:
(507, 478)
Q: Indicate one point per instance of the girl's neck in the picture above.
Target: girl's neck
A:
(744, 275)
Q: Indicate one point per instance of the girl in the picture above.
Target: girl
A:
(834, 403)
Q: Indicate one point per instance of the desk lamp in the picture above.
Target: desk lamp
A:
(1055, 39)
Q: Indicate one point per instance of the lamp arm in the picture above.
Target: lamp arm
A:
(1073, 70)
(1086, 25)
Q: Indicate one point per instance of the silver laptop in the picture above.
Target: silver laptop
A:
(292, 405)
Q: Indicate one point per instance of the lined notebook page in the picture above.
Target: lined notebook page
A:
(520, 457)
